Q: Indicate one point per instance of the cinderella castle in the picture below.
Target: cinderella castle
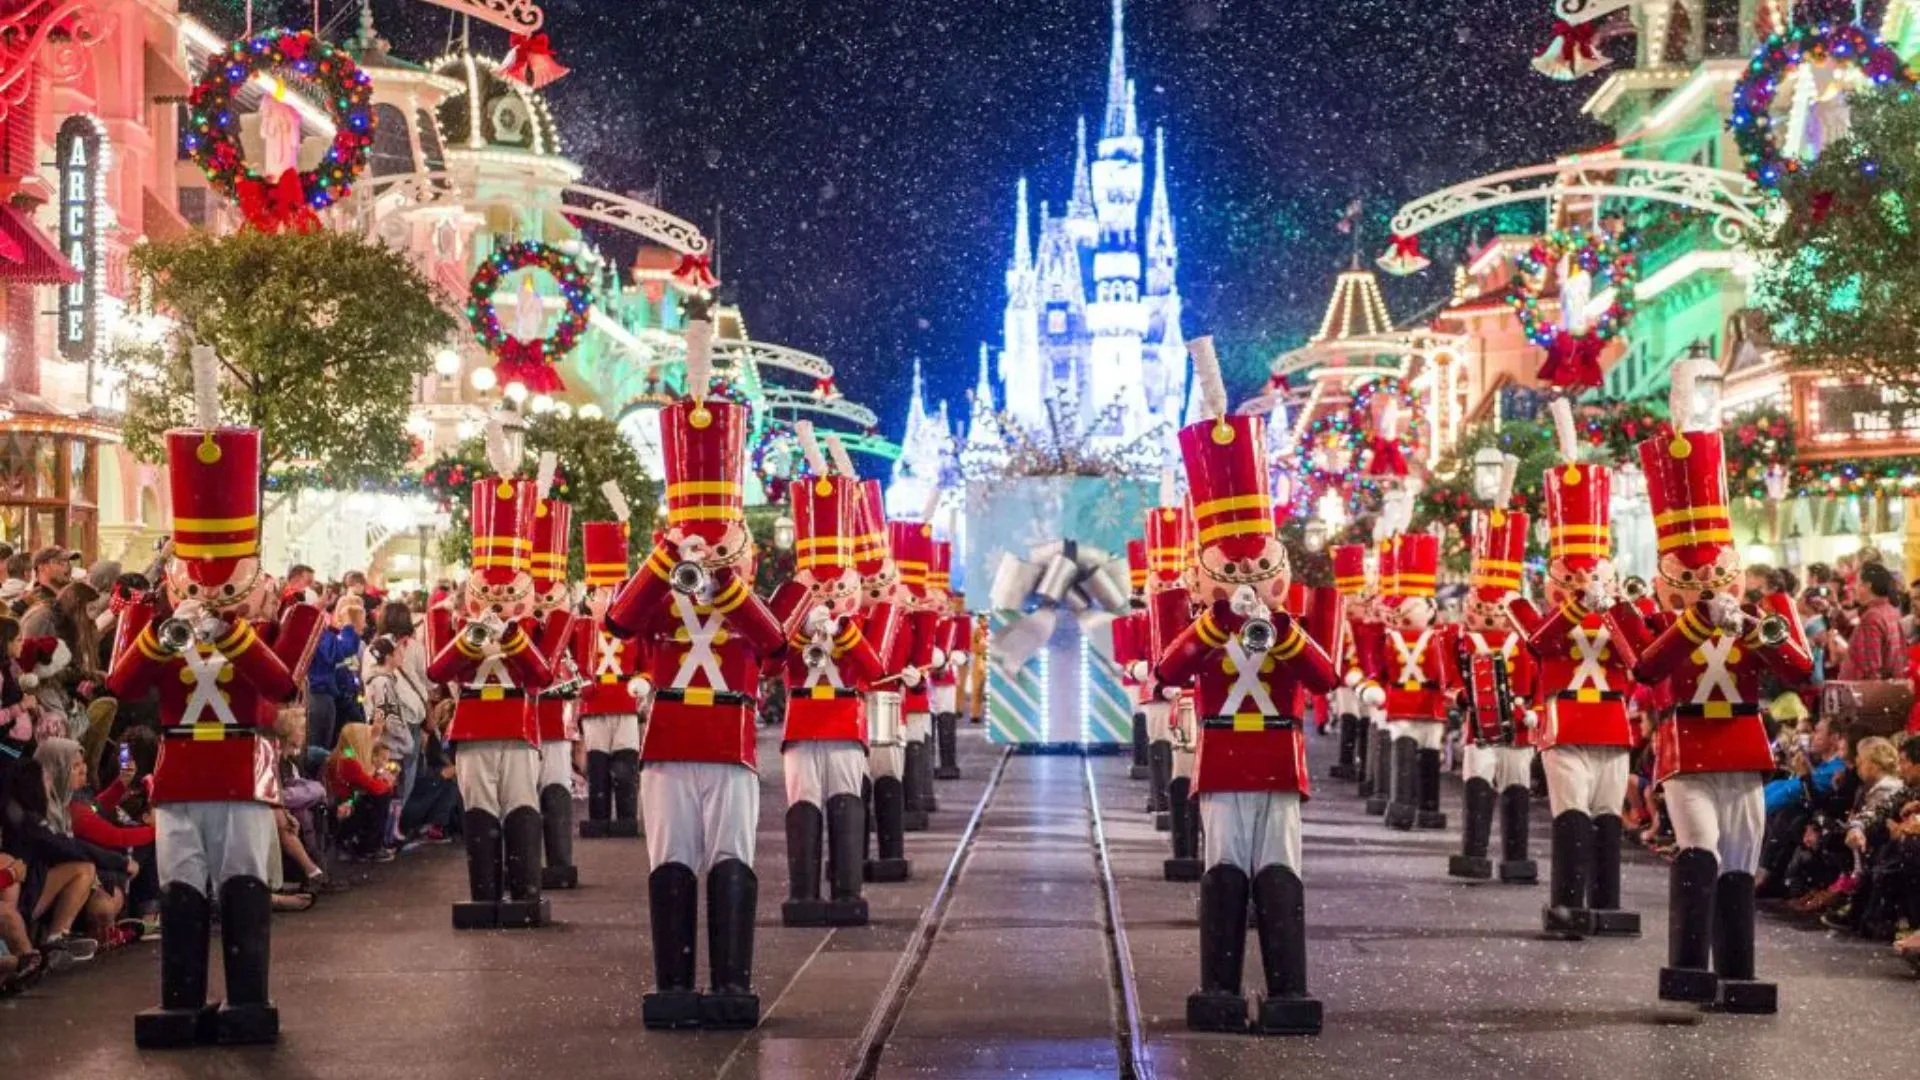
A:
(1091, 349)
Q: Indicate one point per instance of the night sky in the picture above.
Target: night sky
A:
(857, 160)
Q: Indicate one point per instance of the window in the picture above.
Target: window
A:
(1721, 22)
(392, 151)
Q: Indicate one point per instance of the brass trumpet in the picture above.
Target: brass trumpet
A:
(1634, 587)
(1772, 631)
(477, 634)
(1257, 634)
(175, 635)
(688, 578)
(817, 656)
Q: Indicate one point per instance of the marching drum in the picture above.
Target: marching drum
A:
(883, 718)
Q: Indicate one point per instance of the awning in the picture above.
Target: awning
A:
(162, 220)
(27, 256)
(165, 78)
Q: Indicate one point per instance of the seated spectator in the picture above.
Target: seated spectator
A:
(60, 870)
(433, 810)
(302, 808)
(65, 769)
(22, 964)
(1885, 889)
(100, 816)
(358, 779)
(19, 714)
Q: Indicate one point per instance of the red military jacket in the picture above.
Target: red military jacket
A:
(704, 661)
(1520, 676)
(607, 667)
(1419, 673)
(1249, 707)
(949, 636)
(557, 716)
(829, 703)
(913, 645)
(1583, 674)
(1714, 724)
(1129, 645)
(496, 681)
(215, 701)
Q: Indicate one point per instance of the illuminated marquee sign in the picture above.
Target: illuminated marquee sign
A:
(77, 155)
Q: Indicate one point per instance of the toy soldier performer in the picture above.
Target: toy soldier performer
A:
(1376, 777)
(609, 709)
(705, 638)
(1419, 659)
(1498, 766)
(1166, 615)
(1252, 666)
(1359, 693)
(1583, 672)
(221, 673)
(493, 655)
(952, 642)
(1711, 752)
(913, 552)
(1130, 654)
(555, 707)
(829, 666)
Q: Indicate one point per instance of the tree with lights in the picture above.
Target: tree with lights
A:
(320, 336)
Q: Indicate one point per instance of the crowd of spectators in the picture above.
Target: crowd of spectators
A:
(365, 773)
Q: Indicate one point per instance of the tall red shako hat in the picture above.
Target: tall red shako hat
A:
(1499, 542)
(603, 544)
(1167, 529)
(824, 514)
(552, 531)
(940, 570)
(1579, 503)
(213, 473)
(1384, 582)
(912, 544)
(1137, 566)
(1350, 569)
(1687, 481)
(704, 445)
(1226, 465)
(1416, 564)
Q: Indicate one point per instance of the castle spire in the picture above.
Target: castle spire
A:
(1081, 205)
(983, 385)
(1120, 116)
(1022, 238)
(1161, 249)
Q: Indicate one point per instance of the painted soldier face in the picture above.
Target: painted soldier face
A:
(1681, 586)
(509, 600)
(239, 592)
(1414, 612)
(1566, 582)
(1486, 616)
(1259, 561)
(839, 594)
(727, 544)
(883, 586)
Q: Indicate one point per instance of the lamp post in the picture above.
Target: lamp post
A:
(1708, 384)
(1489, 465)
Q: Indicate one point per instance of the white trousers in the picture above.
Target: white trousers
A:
(887, 761)
(610, 733)
(498, 776)
(817, 771)
(919, 726)
(1501, 766)
(699, 813)
(1590, 779)
(940, 698)
(1725, 813)
(1344, 701)
(1251, 829)
(556, 764)
(202, 844)
(1157, 714)
(1427, 735)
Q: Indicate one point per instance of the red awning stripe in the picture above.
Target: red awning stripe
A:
(27, 255)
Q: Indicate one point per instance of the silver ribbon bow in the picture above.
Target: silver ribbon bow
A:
(1090, 583)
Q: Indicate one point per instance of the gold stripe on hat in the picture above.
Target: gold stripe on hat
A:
(216, 525)
(838, 543)
(1580, 530)
(496, 540)
(498, 561)
(1696, 536)
(729, 512)
(702, 487)
(1232, 503)
(1261, 525)
(606, 567)
(216, 551)
(1601, 550)
(1689, 513)
(1492, 565)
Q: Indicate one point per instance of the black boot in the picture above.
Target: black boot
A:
(1516, 810)
(806, 832)
(1564, 917)
(1219, 1005)
(1403, 784)
(1428, 814)
(889, 809)
(1472, 862)
(1690, 902)
(846, 836)
(1740, 992)
(1349, 731)
(733, 896)
(556, 830)
(246, 935)
(1603, 892)
(914, 814)
(1182, 810)
(1377, 787)
(1280, 903)
(525, 907)
(929, 799)
(673, 913)
(946, 727)
(481, 909)
(623, 774)
(1138, 769)
(599, 795)
(183, 1017)
(1159, 775)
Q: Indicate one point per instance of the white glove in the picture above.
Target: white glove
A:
(1138, 671)
(939, 659)
(190, 611)
(693, 549)
(1170, 693)
(639, 687)
(1373, 696)
(1597, 596)
(958, 660)
(910, 676)
(819, 621)
(1530, 718)
(1353, 678)
(1724, 611)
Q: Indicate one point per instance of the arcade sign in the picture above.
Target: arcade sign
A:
(77, 156)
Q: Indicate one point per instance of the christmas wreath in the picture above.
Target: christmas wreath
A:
(529, 363)
(1573, 351)
(776, 458)
(1341, 451)
(1777, 59)
(290, 200)
(1757, 441)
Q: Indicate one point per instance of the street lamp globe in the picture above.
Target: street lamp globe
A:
(447, 363)
(1489, 464)
(516, 392)
(483, 379)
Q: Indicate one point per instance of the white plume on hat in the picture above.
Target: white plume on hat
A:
(699, 338)
(1681, 407)
(932, 506)
(1206, 371)
(810, 447)
(617, 500)
(1169, 488)
(500, 457)
(842, 461)
(1509, 472)
(543, 474)
(1563, 430)
(206, 386)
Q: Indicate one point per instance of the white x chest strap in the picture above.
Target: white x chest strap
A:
(206, 694)
(699, 658)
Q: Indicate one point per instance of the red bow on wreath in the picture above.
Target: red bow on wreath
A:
(525, 362)
(1388, 458)
(696, 272)
(279, 206)
(1576, 42)
(1573, 361)
(531, 60)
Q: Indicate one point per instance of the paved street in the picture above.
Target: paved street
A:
(1421, 977)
